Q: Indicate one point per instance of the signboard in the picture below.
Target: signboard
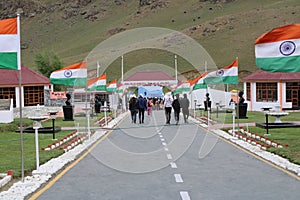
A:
(58, 95)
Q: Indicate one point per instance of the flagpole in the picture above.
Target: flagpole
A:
(238, 105)
(98, 67)
(207, 102)
(175, 62)
(19, 11)
(122, 68)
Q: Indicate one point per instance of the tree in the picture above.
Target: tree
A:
(47, 63)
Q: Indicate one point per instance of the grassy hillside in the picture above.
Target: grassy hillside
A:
(225, 30)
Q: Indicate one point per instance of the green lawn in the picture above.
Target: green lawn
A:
(10, 156)
(10, 151)
(290, 136)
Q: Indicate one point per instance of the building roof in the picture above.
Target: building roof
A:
(149, 76)
(261, 75)
(29, 77)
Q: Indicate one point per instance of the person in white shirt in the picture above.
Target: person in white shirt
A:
(168, 100)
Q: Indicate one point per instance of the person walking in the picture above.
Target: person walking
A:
(149, 106)
(185, 104)
(176, 107)
(168, 100)
(133, 107)
(142, 103)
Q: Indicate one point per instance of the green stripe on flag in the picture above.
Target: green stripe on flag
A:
(97, 88)
(69, 81)
(9, 60)
(199, 86)
(221, 80)
(110, 89)
(279, 64)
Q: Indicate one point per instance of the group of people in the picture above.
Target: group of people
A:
(141, 104)
(177, 104)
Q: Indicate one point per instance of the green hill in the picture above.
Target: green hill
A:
(226, 29)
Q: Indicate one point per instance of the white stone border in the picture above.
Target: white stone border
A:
(5, 179)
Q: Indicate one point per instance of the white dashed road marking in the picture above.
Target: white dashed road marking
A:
(173, 165)
(185, 195)
(169, 156)
(178, 178)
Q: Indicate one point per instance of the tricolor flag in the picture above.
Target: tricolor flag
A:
(199, 82)
(279, 49)
(226, 75)
(10, 44)
(112, 86)
(98, 83)
(184, 87)
(73, 75)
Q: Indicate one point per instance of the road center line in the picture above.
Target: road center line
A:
(164, 143)
(169, 156)
(178, 178)
(185, 195)
(162, 139)
(173, 165)
(166, 149)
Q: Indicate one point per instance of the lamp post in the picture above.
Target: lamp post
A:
(87, 112)
(105, 110)
(53, 116)
(36, 125)
(195, 102)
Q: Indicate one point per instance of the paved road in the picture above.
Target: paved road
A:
(154, 161)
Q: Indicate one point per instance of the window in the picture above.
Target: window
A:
(33, 95)
(266, 91)
(293, 93)
(248, 93)
(8, 93)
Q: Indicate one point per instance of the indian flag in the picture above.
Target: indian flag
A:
(199, 82)
(226, 75)
(10, 44)
(98, 83)
(112, 86)
(184, 87)
(73, 75)
(279, 49)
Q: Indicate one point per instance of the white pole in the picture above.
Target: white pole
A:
(20, 100)
(233, 122)
(88, 123)
(105, 119)
(122, 68)
(175, 57)
(98, 67)
(37, 147)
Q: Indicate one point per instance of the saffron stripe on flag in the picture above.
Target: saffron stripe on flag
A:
(9, 26)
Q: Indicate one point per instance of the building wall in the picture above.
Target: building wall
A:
(257, 106)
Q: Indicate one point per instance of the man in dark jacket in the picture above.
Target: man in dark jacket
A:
(185, 103)
(176, 107)
(142, 103)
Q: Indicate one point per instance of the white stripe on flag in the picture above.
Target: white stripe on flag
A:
(272, 49)
(76, 73)
(9, 43)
